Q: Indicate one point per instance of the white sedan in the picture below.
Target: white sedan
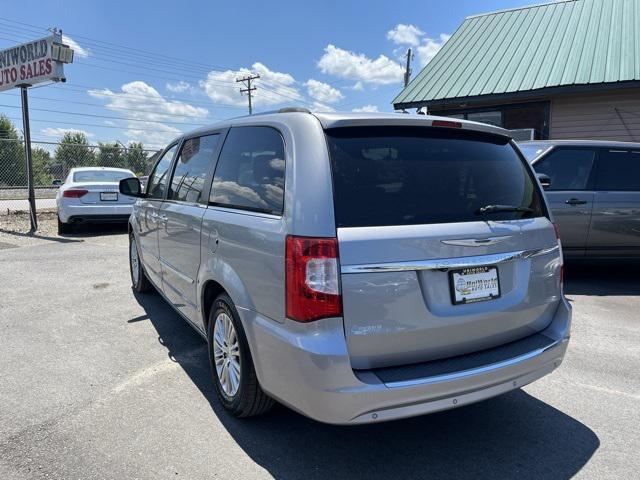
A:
(90, 195)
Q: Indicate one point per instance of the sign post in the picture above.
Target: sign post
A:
(27, 156)
(24, 66)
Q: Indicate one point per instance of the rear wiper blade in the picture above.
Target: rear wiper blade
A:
(502, 208)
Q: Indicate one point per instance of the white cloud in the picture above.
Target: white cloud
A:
(56, 132)
(358, 87)
(147, 107)
(366, 108)
(323, 92)
(274, 88)
(321, 107)
(429, 47)
(357, 66)
(75, 46)
(152, 135)
(178, 87)
(403, 34)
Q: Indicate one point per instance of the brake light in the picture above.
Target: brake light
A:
(555, 227)
(446, 123)
(312, 282)
(74, 193)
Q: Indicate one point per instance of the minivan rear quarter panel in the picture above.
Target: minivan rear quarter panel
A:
(248, 257)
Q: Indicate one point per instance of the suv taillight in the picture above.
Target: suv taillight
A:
(74, 193)
(312, 278)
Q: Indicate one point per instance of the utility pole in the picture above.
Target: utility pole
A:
(247, 81)
(407, 72)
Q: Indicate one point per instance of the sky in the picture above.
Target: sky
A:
(148, 71)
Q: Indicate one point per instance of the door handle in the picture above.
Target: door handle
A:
(575, 201)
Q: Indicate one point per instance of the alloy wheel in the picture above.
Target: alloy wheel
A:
(226, 353)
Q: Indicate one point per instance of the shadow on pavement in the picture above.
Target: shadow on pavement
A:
(598, 279)
(512, 436)
(36, 235)
(96, 230)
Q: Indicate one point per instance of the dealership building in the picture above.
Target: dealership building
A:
(564, 70)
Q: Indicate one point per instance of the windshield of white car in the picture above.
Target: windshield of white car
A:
(108, 176)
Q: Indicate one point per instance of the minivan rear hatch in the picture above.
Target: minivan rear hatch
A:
(445, 243)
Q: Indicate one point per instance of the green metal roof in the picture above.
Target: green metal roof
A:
(575, 42)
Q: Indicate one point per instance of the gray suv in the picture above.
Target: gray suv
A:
(355, 267)
(594, 193)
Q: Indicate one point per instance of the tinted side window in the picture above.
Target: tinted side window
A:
(192, 164)
(568, 169)
(159, 178)
(250, 171)
(618, 171)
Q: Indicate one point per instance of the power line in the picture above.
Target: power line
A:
(96, 145)
(87, 124)
(70, 87)
(103, 106)
(117, 46)
(129, 119)
(182, 77)
(195, 67)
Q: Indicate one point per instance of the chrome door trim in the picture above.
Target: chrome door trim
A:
(447, 263)
(476, 371)
(176, 271)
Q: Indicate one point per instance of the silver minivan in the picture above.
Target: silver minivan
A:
(355, 267)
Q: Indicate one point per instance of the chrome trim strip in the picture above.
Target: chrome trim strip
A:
(475, 242)
(176, 271)
(447, 263)
(475, 371)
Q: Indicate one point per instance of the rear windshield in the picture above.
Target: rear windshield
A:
(108, 176)
(416, 175)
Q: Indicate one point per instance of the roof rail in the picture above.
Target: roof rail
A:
(294, 109)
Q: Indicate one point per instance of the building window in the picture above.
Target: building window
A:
(492, 118)
(533, 116)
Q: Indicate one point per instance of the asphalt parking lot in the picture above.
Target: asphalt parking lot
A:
(98, 383)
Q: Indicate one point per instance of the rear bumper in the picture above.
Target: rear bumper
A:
(94, 213)
(307, 367)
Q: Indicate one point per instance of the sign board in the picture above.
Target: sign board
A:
(34, 62)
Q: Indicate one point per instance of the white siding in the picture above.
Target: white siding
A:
(594, 116)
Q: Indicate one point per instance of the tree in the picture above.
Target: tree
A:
(42, 174)
(74, 151)
(12, 168)
(137, 159)
(111, 155)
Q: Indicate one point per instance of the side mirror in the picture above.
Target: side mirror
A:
(544, 180)
(57, 182)
(131, 187)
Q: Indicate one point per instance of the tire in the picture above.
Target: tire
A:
(139, 281)
(244, 398)
(63, 228)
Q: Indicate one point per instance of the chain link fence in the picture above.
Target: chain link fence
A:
(51, 164)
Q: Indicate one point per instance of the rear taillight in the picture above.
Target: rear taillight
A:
(312, 278)
(555, 227)
(74, 193)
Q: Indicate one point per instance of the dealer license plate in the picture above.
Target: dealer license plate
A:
(476, 284)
